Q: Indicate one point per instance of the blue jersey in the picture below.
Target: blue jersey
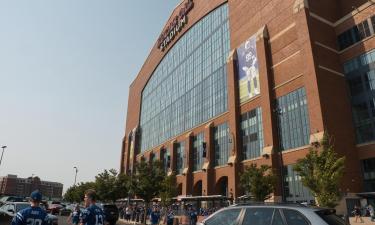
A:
(155, 216)
(75, 217)
(31, 216)
(93, 215)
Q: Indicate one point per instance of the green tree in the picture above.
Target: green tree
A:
(259, 182)
(321, 171)
(169, 189)
(110, 185)
(147, 182)
(76, 193)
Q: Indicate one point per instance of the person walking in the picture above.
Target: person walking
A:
(357, 213)
(33, 215)
(155, 216)
(74, 216)
(370, 209)
(169, 217)
(92, 215)
(193, 216)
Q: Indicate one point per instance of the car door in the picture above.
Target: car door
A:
(3, 216)
(10, 213)
(228, 216)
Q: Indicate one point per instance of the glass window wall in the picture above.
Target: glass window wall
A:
(189, 86)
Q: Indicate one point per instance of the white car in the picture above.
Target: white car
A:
(273, 214)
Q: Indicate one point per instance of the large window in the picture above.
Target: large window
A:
(355, 34)
(294, 191)
(180, 150)
(360, 76)
(221, 144)
(166, 159)
(198, 151)
(189, 86)
(293, 120)
(252, 133)
(368, 169)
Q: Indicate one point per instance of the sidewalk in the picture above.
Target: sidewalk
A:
(366, 221)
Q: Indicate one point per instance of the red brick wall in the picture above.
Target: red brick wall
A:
(300, 51)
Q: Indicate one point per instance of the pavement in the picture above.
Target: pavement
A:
(366, 221)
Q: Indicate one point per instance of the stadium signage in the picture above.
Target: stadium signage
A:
(175, 26)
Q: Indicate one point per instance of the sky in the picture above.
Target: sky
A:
(65, 71)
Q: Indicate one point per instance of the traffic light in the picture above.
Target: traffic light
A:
(204, 145)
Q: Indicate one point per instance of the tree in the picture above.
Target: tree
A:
(321, 171)
(111, 186)
(259, 182)
(76, 193)
(169, 189)
(147, 180)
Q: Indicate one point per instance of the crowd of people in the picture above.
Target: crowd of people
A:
(36, 215)
(166, 215)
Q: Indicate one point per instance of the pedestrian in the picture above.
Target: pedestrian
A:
(128, 213)
(155, 216)
(357, 213)
(92, 215)
(32, 215)
(74, 216)
(193, 216)
(370, 208)
(169, 217)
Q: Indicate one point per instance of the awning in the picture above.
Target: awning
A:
(366, 194)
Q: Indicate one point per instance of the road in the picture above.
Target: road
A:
(63, 221)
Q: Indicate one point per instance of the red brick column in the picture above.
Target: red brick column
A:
(270, 153)
(233, 124)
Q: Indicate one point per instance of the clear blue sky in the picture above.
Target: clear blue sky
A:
(65, 69)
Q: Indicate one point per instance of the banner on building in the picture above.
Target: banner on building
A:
(248, 70)
(132, 139)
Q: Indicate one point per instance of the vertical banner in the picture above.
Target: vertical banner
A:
(132, 140)
(248, 70)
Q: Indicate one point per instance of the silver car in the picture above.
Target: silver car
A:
(273, 214)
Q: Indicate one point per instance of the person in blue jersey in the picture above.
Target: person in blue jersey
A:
(33, 215)
(92, 215)
(74, 216)
(155, 216)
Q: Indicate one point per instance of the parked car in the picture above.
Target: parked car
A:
(11, 199)
(65, 211)
(54, 209)
(111, 213)
(10, 209)
(275, 214)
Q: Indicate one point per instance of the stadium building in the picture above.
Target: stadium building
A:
(230, 83)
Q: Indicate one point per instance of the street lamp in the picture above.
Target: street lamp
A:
(2, 153)
(75, 177)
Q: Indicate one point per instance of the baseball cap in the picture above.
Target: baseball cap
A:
(36, 196)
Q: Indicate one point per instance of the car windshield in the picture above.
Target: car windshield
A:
(330, 217)
(21, 206)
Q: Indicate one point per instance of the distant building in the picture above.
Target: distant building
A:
(13, 185)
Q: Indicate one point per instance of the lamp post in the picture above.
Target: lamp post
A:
(2, 153)
(75, 177)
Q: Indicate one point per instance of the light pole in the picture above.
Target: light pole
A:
(75, 177)
(2, 153)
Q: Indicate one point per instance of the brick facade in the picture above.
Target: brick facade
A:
(12, 185)
(296, 47)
